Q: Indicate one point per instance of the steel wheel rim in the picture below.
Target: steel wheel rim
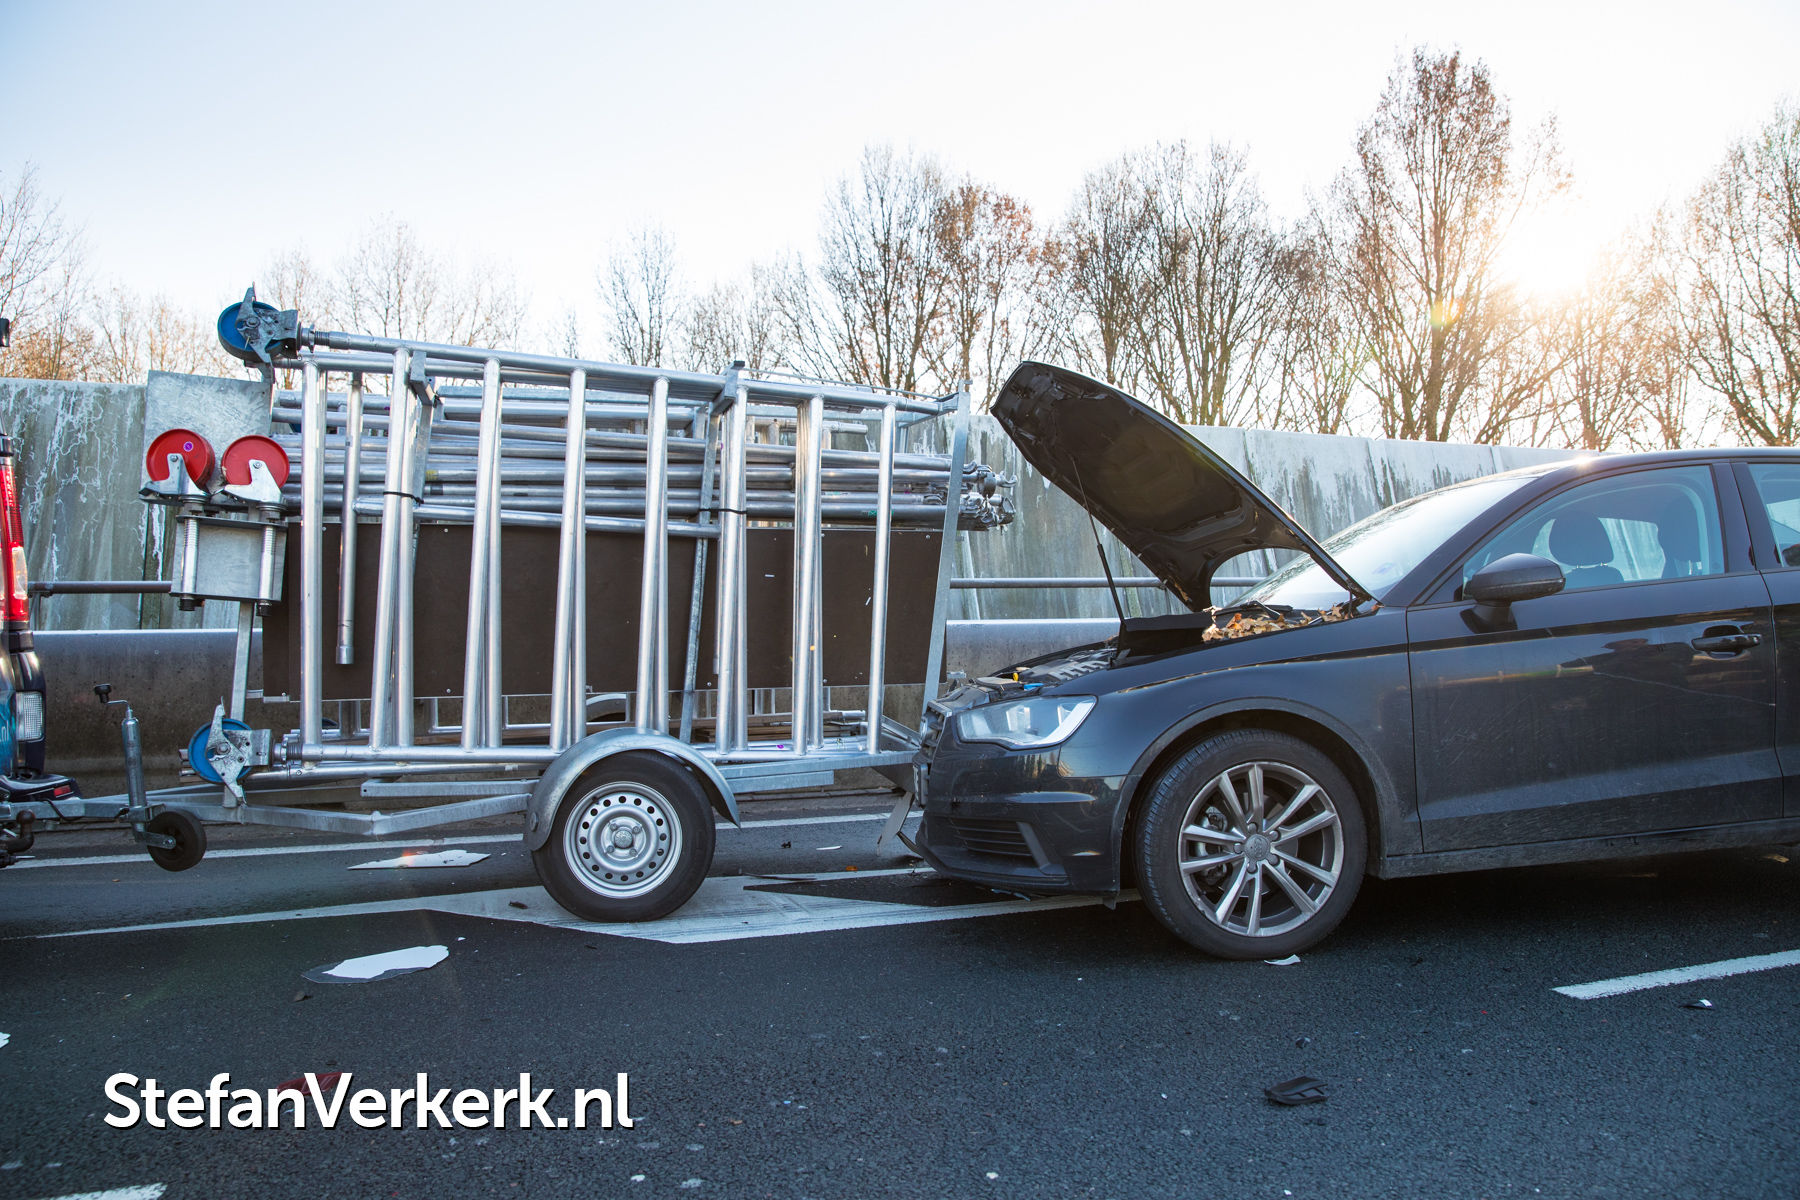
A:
(623, 840)
(1260, 849)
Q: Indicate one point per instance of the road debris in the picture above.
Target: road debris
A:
(441, 858)
(1267, 618)
(1289, 961)
(1302, 1089)
(1698, 1004)
(299, 996)
(373, 967)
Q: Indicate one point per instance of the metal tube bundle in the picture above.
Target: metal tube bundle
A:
(582, 447)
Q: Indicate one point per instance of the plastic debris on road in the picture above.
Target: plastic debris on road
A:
(1289, 961)
(441, 858)
(1302, 1089)
(374, 967)
(5, 1038)
(1698, 1004)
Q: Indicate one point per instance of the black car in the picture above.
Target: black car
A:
(1583, 660)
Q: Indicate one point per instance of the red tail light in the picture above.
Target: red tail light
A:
(15, 602)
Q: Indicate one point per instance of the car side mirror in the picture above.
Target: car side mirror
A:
(1513, 578)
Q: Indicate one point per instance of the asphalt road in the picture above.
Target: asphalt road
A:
(880, 1032)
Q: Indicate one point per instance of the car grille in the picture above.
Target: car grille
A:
(983, 836)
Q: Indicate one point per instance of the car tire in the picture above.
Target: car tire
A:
(1243, 878)
(631, 841)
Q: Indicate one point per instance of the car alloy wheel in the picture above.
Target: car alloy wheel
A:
(1250, 845)
(1262, 848)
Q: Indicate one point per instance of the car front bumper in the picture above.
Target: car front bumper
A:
(1016, 821)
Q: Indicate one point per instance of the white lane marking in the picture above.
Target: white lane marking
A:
(731, 913)
(143, 1191)
(1677, 975)
(443, 858)
(111, 860)
(724, 909)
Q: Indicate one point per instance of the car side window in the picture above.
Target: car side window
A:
(1657, 524)
(1779, 486)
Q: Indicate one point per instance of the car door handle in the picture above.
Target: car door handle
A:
(1726, 639)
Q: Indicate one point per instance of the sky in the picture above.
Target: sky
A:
(193, 142)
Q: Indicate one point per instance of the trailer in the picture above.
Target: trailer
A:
(608, 598)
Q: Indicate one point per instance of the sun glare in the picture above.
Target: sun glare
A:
(1550, 252)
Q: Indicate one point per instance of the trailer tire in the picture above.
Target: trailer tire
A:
(190, 840)
(631, 841)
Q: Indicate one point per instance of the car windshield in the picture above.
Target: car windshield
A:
(1380, 550)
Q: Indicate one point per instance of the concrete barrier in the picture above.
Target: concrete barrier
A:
(172, 677)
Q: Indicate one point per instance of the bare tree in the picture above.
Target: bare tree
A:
(1740, 299)
(391, 286)
(871, 309)
(1099, 254)
(1436, 188)
(643, 298)
(292, 280)
(43, 282)
(568, 335)
(1624, 356)
(733, 322)
(135, 336)
(992, 263)
(1319, 354)
(1210, 304)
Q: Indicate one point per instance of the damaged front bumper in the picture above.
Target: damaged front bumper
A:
(1014, 820)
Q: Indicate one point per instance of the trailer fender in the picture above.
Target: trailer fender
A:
(561, 775)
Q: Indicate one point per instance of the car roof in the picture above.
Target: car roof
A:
(1607, 463)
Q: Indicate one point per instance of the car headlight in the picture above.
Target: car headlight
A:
(1025, 724)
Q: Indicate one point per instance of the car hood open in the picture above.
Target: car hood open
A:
(1175, 504)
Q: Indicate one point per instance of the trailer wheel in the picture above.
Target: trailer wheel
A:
(190, 840)
(631, 841)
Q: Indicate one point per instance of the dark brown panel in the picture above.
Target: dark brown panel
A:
(615, 567)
